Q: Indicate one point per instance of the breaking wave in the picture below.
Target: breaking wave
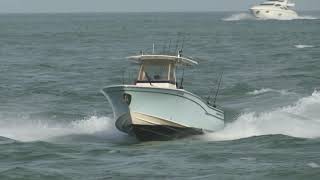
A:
(30, 130)
(301, 120)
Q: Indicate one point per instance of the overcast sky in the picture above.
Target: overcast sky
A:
(36, 6)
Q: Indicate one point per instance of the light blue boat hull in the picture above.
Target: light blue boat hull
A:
(147, 109)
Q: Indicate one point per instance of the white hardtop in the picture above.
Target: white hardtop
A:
(176, 59)
(159, 69)
(280, 2)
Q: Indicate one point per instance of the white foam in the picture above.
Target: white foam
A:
(299, 120)
(239, 17)
(248, 16)
(307, 17)
(302, 46)
(30, 130)
(267, 90)
(260, 91)
(299, 17)
(313, 165)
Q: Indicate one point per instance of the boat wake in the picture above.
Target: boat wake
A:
(307, 17)
(248, 16)
(239, 17)
(301, 120)
(268, 90)
(302, 46)
(29, 130)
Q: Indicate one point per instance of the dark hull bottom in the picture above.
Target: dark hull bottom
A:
(161, 133)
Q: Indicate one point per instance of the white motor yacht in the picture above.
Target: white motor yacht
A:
(274, 9)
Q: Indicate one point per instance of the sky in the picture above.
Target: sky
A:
(53, 6)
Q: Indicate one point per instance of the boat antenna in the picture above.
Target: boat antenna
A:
(182, 45)
(181, 50)
(177, 42)
(177, 45)
(182, 78)
(217, 92)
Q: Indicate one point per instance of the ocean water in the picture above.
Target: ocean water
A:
(55, 123)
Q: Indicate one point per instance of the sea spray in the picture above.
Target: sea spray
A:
(299, 120)
(31, 130)
(239, 17)
(313, 165)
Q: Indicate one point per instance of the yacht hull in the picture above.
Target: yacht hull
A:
(277, 14)
(150, 113)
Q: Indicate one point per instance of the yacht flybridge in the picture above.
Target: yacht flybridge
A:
(156, 107)
(274, 9)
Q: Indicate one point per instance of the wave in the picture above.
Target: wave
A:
(267, 90)
(302, 46)
(301, 120)
(30, 130)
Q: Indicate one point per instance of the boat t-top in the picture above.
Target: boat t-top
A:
(156, 106)
(274, 9)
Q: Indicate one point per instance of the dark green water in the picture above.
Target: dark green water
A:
(55, 124)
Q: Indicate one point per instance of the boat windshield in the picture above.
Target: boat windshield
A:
(276, 0)
(157, 72)
(267, 4)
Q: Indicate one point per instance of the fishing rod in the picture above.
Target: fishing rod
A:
(182, 45)
(182, 78)
(216, 94)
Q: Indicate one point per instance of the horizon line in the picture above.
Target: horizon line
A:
(98, 12)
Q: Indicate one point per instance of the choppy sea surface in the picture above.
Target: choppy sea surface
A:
(55, 123)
